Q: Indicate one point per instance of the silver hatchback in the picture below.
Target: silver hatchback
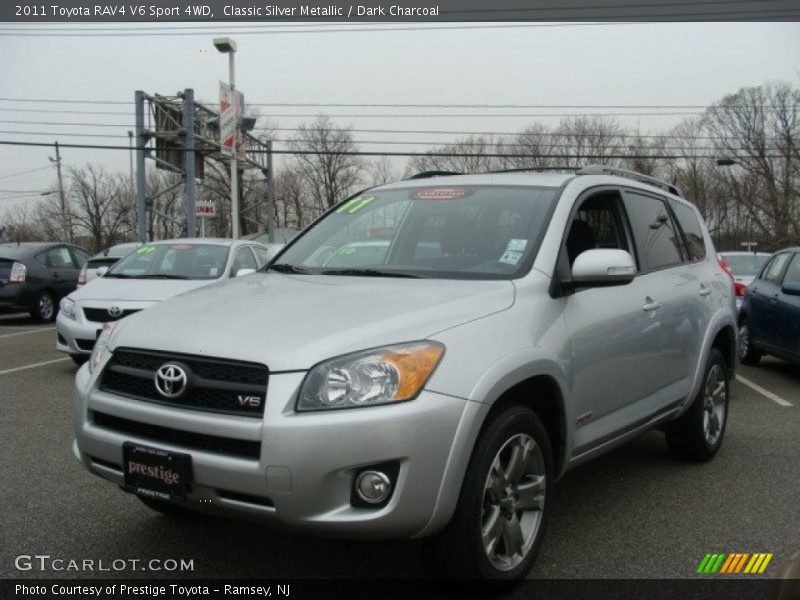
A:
(426, 360)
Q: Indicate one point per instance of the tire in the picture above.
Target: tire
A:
(44, 308)
(484, 500)
(79, 359)
(748, 354)
(697, 435)
(165, 508)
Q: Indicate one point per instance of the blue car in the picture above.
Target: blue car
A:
(769, 321)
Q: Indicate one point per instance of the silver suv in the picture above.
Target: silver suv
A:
(427, 359)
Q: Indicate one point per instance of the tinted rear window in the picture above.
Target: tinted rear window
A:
(692, 231)
(657, 241)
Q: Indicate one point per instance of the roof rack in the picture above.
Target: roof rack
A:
(603, 170)
(426, 174)
(565, 169)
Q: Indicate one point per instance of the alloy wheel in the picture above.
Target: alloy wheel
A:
(714, 404)
(513, 502)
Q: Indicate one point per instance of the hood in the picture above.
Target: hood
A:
(136, 290)
(291, 322)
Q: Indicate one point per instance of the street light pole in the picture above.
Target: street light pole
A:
(228, 46)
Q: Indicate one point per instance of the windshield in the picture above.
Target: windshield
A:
(746, 265)
(477, 232)
(172, 261)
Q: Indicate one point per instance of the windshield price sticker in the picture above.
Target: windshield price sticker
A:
(146, 250)
(442, 193)
(510, 257)
(355, 204)
(516, 245)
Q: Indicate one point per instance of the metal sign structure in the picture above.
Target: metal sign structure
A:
(179, 135)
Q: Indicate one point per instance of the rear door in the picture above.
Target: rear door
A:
(788, 312)
(763, 294)
(672, 301)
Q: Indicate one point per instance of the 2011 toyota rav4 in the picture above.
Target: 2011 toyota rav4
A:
(501, 329)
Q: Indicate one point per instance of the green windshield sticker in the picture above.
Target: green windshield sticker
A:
(146, 250)
(356, 204)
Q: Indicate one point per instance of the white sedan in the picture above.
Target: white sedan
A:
(151, 273)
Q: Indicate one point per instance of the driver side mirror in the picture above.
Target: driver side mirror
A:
(101, 271)
(241, 272)
(602, 267)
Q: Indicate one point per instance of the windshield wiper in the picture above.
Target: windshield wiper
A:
(161, 276)
(287, 268)
(119, 276)
(370, 273)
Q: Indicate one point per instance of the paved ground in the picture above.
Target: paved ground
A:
(632, 513)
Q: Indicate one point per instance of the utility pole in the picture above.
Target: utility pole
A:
(270, 195)
(189, 163)
(141, 189)
(64, 218)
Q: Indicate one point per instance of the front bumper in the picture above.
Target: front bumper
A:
(78, 335)
(303, 476)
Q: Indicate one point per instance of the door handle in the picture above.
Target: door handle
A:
(650, 304)
(704, 291)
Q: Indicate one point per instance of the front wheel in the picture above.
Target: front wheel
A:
(747, 352)
(44, 308)
(500, 518)
(697, 434)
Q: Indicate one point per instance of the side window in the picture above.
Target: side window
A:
(243, 260)
(80, 256)
(692, 230)
(262, 256)
(657, 241)
(773, 270)
(596, 224)
(793, 272)
(56, 258)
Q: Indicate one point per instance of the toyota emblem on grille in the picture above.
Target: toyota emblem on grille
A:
(170, 380)
(115, 311)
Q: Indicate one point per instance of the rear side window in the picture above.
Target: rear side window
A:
(657, 240)
(56, 258)
(775, 268)
(793, 272)
(692, 230)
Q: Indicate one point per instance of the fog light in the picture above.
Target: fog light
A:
(373, 487)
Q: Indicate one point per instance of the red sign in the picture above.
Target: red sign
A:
(442, 193)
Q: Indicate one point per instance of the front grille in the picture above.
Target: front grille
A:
(215, 385)
(176, 437)
(100, 315)
(87, 345)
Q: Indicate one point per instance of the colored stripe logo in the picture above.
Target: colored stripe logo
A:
(735, 563)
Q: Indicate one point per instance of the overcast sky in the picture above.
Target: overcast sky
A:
(622, 64)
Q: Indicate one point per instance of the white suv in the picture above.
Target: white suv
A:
(474, 338)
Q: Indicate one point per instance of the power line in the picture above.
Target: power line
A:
(9, 175)
(729, 16)
(587, 155)
(385, 142)
(378, 105)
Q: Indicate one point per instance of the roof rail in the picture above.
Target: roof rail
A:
(529, 169)
(426, 174)
(604, 170)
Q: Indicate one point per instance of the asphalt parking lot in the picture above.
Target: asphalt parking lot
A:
(633, 513)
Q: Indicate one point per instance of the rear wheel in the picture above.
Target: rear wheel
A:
(697, 434)
(44, 308)
(499, 522)
(747, 352)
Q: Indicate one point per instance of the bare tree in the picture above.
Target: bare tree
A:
(325, 163)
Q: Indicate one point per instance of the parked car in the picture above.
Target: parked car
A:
(744, 267)
(34, 276)
(769, 321)
(106, 258)
(149, 274)
(517, 325)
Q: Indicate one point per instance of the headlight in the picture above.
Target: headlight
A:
(379, 376)
(100, 346)
(68, 307)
